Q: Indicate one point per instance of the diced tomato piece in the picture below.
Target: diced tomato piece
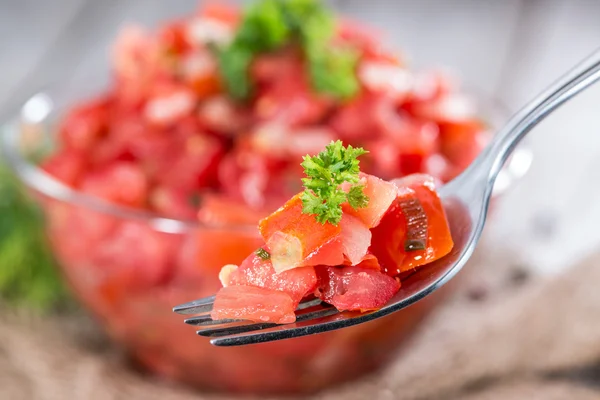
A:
(427, 87)
(169, 104)
(451, 107)
(220, 210)
(292, 235)
(355, 288)
(132, 52)
(254, 304)
(85, 125)
(355, 238)
(366, 38)
(172, 202)
(355, 120)
(273, 67)
(138, 248)
(200, 72)
(193, 166)
(461, 142)
(291, 101)
(220, 11)
(389, 237)
(255, 271)
(122, 183)
(220, 115)
(172, 37)
(381, 196)
(67, 166)
(385, 78)
(331, 253)
(369, 261)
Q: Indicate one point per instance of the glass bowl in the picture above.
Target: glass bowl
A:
(102, 248)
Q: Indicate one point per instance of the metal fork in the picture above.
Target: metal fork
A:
(466, 200)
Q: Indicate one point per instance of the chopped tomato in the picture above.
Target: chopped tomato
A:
(172, 202)
(85, 125)
(381, 195)
(255, 271)
(169, 104)
(290, 101)
(220, 11)
(67, 166)
(369, 261)
(389, 237)
(356, 120)
(172, 38)
(355, 238)
(462, 141)
(200, 72)
(355, 288)
(122, 183)
(254, 304)
(193, 166)
(331, 253)
(292, 235)
(219, 210)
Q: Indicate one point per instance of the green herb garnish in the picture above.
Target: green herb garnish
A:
(28, 271)
(262, 253)
(325, 172)
(269, 25)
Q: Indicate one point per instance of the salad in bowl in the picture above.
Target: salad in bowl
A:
(152, 186)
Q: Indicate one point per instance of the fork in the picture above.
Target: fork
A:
(466, 200)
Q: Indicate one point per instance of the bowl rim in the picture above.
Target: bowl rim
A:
(46, 184)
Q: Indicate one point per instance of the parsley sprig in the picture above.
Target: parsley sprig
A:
(268, 25)
(325, 174)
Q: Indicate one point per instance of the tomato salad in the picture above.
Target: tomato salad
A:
(345, 239)
(208, 117)
(223, 103)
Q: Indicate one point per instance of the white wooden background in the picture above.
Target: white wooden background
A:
(508, 49)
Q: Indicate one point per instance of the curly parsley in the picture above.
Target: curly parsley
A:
(325, 173)
(269, 25)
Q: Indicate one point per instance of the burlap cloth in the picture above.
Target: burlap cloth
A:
(507, 334)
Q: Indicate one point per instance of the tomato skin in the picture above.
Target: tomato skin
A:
(390, 235)
(355, 288)
(290, 220)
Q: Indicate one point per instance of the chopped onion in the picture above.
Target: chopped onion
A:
(225, 273)
(286, 251)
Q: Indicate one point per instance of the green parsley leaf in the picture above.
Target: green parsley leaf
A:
(234, 63)
(269, 25)
(325, 173)
(333, 71)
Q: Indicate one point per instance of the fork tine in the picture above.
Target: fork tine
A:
(196, 306)
(308, 303)
(206, 304)
(323, 311)
(206, 320)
